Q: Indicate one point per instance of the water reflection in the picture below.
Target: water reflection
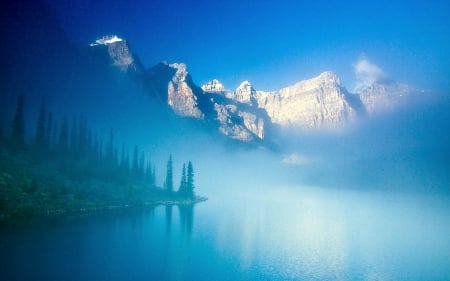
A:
(168, 214)
(278, 235)
(186, 212)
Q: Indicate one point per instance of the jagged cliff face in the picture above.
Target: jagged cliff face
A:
(180, 93)
(238, 121)
(247, 114)
(120, 54)
(245, 94)
(209, 103)
(320, 102)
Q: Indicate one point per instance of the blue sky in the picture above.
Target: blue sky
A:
(275, 43)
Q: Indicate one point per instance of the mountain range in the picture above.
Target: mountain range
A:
(251, 115)
(42, 61)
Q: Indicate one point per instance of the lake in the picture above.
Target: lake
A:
(283, 233)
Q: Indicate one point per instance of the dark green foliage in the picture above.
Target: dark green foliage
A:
(190, 179)
(169, 175)
(40, 136)
(187, 181)
(68, 170)
(183, 181)
(17, 140)
(135, 165)
(63, 140)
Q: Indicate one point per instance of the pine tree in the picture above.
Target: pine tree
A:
(110, 148)
(142, 166)
(18, 127)
(153, 179)
(123, 164)
(83, 134)
(169, 175)
(49, 130)
(40, 136)
(183, 182)
(74, 135)
(190, 179)
(135, 165)
(63, 141)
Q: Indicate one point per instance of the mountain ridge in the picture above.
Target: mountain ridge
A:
(247, 114)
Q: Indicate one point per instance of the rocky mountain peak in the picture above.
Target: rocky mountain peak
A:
(181, 93)
(181, 72)
(213, 86)
(245, 114)
(245, 93)
(325, 80)
(120, 53)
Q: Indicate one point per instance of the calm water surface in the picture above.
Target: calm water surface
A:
(277, 234)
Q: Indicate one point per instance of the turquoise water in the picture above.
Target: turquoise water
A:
(287, 233)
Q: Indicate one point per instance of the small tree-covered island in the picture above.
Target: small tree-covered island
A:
(64, 167)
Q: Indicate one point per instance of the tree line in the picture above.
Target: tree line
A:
(65, 163)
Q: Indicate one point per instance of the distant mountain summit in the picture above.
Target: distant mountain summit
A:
(250, 115)
(120, 53)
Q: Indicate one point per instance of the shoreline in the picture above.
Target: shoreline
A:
(80, 210)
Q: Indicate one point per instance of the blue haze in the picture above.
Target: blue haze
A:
(274, 44)
(371, 202)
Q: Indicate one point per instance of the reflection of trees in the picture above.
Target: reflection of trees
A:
(168, 218)
(186, 217)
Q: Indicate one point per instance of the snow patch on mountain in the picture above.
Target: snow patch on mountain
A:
(106, 40)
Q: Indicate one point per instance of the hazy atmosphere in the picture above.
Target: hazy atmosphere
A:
(235, 140)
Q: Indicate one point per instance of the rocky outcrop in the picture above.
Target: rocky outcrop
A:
(180, 94)
(120, 54)
(247, 114)
(214, 86)
(245, 94)
(320, 102)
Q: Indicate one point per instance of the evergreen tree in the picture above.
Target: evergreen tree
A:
(135, 165)
(82, 142)
(110, 148)
(153, 178)
(190, 179)
(74, 135)
(40, 136)
(63, 141)
(142, 166)
(123, 164)
(183, 182)
(18, 127)
(49, 130)
(149, 175)
(169, 175)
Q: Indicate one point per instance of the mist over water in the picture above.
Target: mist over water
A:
(369, 202)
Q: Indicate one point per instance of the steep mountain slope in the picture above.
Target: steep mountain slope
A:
(107, 82)
(319, 102)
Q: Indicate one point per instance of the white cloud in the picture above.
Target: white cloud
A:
(367, 73)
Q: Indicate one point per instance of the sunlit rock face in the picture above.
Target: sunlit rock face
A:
(246, 114)
(239, 124)
(237, 120)
(180, 95)
(120, 54)
(320, 102)
(214, 86)
(385, 96)
(245, 94)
